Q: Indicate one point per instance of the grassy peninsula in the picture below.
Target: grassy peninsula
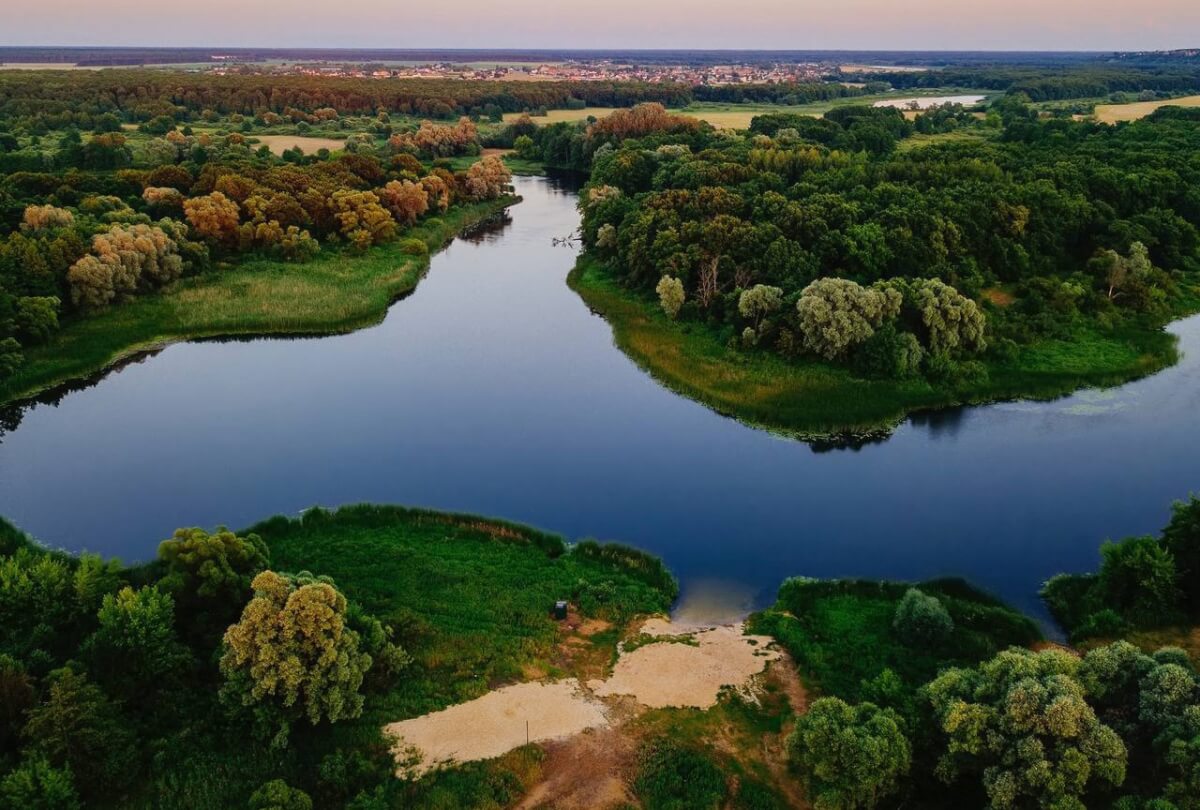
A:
(808, 397)
(337, 291)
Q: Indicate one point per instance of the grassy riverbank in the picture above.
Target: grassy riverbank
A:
(335, 292)
(811, 398)
(470, 596)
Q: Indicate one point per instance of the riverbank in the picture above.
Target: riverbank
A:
(333, 293)
(811, 399)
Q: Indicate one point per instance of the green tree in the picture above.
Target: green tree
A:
(922, 619)
(135, 649)
(292, 654)
(1181, 539)
(216, 568)
(1138, 579)
(849, 756)
(954, 324)
(279, 795)
(759, 303)
(16, 697)
(837, 314)
(670, 295)
(1020, 727)
(37, 785)
(79, 728)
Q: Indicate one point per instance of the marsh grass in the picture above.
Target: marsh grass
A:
(335, 292)
(809, 398)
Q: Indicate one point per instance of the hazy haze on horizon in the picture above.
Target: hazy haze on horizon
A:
(767, 24)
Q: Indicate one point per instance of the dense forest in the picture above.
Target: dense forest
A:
(827, 239)
(1042, 84)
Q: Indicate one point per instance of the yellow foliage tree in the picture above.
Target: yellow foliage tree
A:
(487, 179)
(292, 652)
(406, 200)
(213, 216)
(362, 218)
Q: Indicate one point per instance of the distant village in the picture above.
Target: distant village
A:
(599, 71)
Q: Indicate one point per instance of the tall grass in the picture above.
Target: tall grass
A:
(841, 633)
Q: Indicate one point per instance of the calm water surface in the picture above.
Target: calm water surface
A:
(492, 389)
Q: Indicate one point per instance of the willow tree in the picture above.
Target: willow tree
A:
(837, 314)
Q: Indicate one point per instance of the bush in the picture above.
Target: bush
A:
(414, 247)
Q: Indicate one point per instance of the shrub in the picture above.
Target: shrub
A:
(414, 247)
(671, 777)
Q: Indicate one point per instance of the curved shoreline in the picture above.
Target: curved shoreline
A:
(28, 385)
(815, 402)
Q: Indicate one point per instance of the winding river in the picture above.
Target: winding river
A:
(492, 389)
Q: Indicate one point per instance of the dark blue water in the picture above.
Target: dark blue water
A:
(493, 390)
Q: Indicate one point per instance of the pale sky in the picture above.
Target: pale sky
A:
(775, 24)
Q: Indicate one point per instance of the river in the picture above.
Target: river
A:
(492, 389)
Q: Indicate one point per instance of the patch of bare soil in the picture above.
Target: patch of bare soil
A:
(687, 674)
(586, 771)
(499, 722)
(591, 735)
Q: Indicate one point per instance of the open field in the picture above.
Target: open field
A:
(559, 116)
(334, 292)
(1115, 113)
(308, 145)
(738, 116)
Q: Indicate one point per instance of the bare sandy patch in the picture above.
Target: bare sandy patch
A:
(496, 723)
(676, 673)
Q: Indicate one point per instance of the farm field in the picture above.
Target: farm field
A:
(308, 144)
(1115, 113)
